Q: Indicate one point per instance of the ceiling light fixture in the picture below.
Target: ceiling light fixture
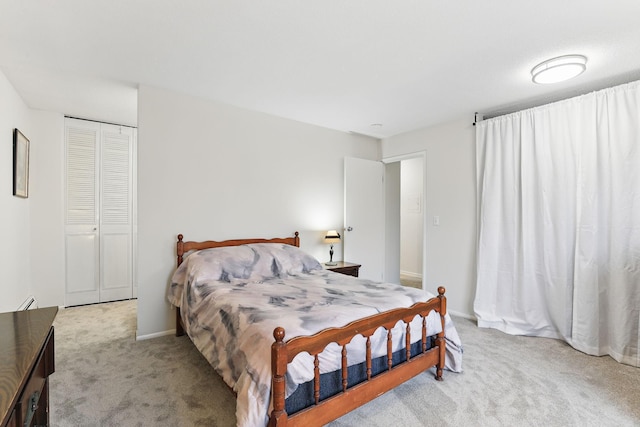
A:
(559, 69)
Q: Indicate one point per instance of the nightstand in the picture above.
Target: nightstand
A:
(342, 267)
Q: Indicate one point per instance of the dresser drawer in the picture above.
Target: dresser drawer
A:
(27, 359)
(12, 420)
(35, 393)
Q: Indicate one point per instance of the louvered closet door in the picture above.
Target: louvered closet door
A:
(81, 229)
(99, 212)
(116, 278)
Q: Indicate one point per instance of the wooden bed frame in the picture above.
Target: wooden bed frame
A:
(283, 352)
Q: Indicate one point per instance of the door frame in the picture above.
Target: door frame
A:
(101, 231)
(388, 253)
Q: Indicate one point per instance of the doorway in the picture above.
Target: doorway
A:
(405, 219)
(99, 211)
(411, 222)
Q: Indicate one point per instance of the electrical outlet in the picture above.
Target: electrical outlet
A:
(436, 220)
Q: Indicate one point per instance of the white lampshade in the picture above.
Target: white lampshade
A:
(332, 237)
(559, 69)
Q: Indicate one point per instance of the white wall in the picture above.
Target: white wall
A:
(47, 209)
(30, 253)
(450, 194)
(211, 171)
(14, 212)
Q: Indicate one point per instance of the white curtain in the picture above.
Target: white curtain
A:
(559, 222)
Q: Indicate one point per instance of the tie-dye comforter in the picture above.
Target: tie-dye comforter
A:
(232, 298)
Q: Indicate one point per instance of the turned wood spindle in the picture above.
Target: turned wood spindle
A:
(316, 379)
(389, 350)
(424, 334)
(345, 371)
(440, 342)
(407, 341)
(368, 357)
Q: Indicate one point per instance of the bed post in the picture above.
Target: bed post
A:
(179, 253)
(180, 249)
(440, 340)
(296, 239)
(278, 369)
(179, 327)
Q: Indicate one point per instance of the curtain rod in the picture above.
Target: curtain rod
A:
(560, 96)
(477, 117)
(98, 121)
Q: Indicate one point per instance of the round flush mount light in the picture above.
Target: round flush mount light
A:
(559, 69)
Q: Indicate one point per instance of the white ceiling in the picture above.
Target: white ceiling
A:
(341, 64)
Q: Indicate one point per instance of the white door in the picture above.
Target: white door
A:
(364, 216)
(82, 250)
(99, 214)
(116, 244)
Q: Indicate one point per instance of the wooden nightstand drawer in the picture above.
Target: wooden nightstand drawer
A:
(347, 268)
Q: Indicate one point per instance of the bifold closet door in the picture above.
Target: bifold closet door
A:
(99, 200)
(116, 258)
(81, 228)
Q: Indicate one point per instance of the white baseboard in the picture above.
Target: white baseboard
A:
(411, 274)
(155, 335)
(29, 304)
(463, 315)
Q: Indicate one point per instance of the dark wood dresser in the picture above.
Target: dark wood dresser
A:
(26, 361)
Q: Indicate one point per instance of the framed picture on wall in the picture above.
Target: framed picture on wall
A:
(20, 164)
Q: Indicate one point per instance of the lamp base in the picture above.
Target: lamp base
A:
(330, 263)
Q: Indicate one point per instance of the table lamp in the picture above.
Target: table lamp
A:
(331, 237)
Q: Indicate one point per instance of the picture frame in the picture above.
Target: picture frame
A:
(20, 164)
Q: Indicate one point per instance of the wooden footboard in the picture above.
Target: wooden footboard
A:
(324, 411)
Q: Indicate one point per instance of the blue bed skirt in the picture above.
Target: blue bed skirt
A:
(331, 382)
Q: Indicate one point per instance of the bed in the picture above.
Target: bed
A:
(298, 344)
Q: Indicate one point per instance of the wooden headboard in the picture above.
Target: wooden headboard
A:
(184, 247)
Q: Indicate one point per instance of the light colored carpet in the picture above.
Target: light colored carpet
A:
(411, 281)
(105, 378)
